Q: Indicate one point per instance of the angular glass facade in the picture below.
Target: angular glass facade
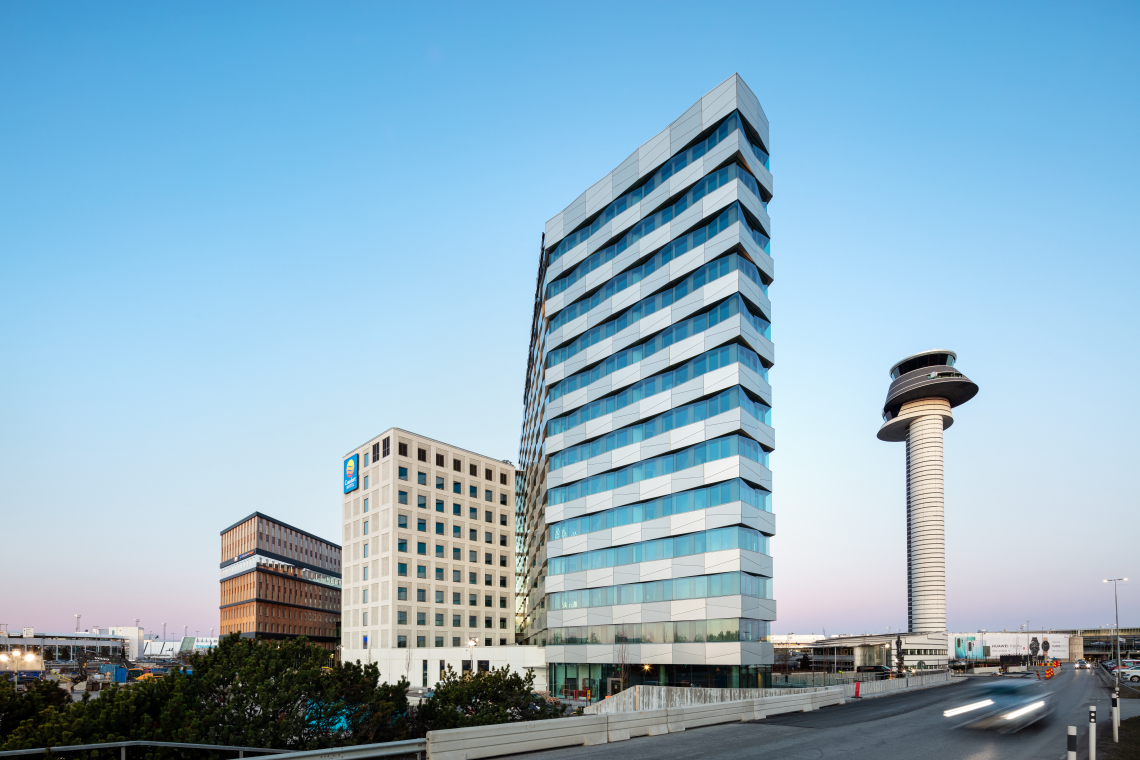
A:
(644, 506)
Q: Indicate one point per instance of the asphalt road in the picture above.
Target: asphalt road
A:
(908, 725)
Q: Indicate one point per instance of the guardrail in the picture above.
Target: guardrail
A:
(415, 747)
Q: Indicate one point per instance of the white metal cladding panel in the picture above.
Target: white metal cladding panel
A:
(718, 380)
(732, 94)
(673, 440)
(697, 301)
(701, 211)
(723, 652)
(675, 270)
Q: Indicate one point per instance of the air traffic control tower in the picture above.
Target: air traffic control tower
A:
(924, 388)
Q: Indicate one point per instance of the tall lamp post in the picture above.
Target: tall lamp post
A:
(471, 644)
(1116, 631)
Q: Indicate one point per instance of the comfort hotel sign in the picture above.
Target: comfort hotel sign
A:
(351, 465)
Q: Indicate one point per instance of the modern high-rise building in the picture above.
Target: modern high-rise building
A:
(646, 492)
(924, 388)
(429, 552)
(279, 582)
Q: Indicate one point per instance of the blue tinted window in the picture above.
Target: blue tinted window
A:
(718, 539)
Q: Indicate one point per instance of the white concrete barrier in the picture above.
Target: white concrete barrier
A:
(512, 738)
(622, 726)
(876, 688)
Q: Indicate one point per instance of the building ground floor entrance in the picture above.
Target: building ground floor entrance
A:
(590, 682)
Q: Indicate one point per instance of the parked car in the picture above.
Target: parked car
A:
(1130, 674)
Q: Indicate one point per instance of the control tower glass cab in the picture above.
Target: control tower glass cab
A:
(930, 374)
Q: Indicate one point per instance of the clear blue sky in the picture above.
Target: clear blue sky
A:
(238, 239)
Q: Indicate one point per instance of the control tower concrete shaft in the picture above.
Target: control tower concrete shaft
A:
(924, 388)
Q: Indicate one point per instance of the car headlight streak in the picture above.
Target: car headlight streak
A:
(1027, 709)
(967, 708)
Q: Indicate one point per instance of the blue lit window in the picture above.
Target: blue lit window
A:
(403, 474)
(402, 545)
(402, 567)
(402, 497)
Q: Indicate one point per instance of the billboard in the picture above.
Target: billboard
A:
(351, 476)
(972, 646)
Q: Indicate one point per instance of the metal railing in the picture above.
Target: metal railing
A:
(415, 747)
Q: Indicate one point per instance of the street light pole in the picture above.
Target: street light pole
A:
(1116, 631)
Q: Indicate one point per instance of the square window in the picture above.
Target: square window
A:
(439, 573)
(375, 451)
(439, 530)
(402, 448)
(402, 568)
(439, 550)
(456, 531)
(439, 641)
(421, 571)
(502, 519)
(487, 623)
(421, 454)
(472, 534)
(455, 639)
(474, 470)
(488, 601)
(488, 496)
(456, 509)
(502, 560)
(473, 513)
(456, 486)
(471, 578)
(439, 623)
(487, 558)
(487, 537)
(502, 642)
(456, 554)
(439, 460)
(402, 474)
(472, 556)
(503, 499)
(456, 577)
(421, 525)
(421, 618)
(402, 545)
(421, 641)
(402, 497)
(502, 602)
(502, 539)
(488, 475)
(455, 594)
(456, 621)
(473, 492)
(438, 505)
(421, 548)
(421, 595)
(401, 521)
(487, 580)
(421, 478)
(421, 502)
(387, 446)
(456, 465)
(502, 581)
(471, 600)
(401, 641)
(401, 618)
(472, 621)
(402, 593)
(502, 623)
(503, 478)
(488, 516)
(439, 483)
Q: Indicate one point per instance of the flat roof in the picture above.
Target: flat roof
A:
(282, 523)
(433, 440)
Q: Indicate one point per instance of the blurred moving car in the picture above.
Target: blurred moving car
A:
(1005, 706)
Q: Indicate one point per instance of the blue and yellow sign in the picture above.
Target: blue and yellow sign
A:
(351, 465)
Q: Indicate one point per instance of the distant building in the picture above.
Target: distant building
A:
(429, 551)
(50, 649)
(279, 582)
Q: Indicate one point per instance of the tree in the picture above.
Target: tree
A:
(242, 693)
(481, 699)
(16, 707)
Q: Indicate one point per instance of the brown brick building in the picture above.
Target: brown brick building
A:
(279, 582)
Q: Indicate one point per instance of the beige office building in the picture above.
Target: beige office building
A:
(429, 547)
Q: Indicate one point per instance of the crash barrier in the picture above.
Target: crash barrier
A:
(876, 688)
(663, 697)
(124, 745)
(588, 730)
(982, 671)
(415, 747)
